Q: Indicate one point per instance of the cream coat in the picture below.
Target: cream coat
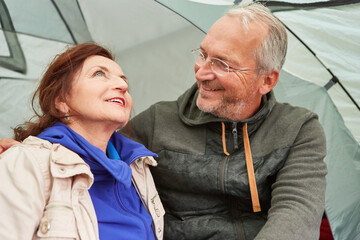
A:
(44, 193)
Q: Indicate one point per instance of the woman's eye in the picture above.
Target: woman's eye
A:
(99, 73)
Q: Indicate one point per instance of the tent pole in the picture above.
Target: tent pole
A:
(334, 78)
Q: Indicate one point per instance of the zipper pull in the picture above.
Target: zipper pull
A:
(235, 135)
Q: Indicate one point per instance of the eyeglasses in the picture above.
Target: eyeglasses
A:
(218, 66)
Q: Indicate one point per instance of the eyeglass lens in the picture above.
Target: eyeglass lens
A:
(217, 66)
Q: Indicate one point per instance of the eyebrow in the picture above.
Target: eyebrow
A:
(225, 59)
(107, 70)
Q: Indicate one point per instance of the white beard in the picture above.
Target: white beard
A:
(227, 109)
(233, 109)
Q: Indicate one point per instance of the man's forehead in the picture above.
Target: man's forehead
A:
(230, 29)
(228, 40)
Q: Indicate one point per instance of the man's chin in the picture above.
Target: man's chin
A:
(204, 106)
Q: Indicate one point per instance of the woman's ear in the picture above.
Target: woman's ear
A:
(269, 82)
(61, 105)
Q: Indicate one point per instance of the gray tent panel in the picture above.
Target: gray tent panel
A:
(343, 154)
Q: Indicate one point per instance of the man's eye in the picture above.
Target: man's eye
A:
(221, 64)
(202, 55)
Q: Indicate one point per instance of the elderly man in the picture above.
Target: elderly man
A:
(233, 162)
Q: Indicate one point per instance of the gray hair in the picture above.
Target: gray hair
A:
(270, 55)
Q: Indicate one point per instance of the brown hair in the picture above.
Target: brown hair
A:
(57, 82)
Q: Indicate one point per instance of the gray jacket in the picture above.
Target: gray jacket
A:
(206, 193)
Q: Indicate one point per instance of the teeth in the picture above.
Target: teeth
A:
(115, 100)
(210, 89)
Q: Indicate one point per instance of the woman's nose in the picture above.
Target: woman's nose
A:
(120, 83)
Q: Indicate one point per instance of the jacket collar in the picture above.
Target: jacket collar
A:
(64, 163)
(191, 115)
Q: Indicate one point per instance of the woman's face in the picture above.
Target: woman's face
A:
(99, 95)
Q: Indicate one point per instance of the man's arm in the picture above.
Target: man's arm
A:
(298, 194)
(6, 143)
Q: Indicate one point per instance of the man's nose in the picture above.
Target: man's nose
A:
(204, 72)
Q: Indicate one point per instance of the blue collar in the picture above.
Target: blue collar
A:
(121, 150)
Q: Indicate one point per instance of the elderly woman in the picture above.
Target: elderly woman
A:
(73, 176)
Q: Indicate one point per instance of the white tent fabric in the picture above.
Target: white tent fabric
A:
(31, 34)
(152, 43)
(333, 34)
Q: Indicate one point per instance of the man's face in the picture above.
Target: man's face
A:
(230, 95)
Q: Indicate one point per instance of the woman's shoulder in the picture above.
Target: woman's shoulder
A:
(31, 155)
(42, 158)
(30, 148)
(35, 152)
(57, 153)
(33, 142)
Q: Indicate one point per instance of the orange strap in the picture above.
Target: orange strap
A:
(250, 171)
(223, 139)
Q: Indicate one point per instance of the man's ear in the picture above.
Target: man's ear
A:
(269, 82)
(61, 105)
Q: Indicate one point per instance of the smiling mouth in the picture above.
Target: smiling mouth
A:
(116, 100)
(209, 88)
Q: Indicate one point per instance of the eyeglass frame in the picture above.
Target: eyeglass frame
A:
(229, 69)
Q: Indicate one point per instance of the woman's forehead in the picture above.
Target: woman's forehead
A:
(100, 61)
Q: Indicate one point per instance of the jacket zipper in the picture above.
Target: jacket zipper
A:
(235, 135)
(118, 198)
(146, 205)
(138, 192)
(222, 174)
(238, 226)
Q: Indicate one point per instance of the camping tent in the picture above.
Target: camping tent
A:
(152, 41)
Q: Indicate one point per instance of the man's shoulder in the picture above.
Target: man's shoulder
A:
(290, 112)
(165, 106)
(159, 108)
(283, 126)
(288, 120)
